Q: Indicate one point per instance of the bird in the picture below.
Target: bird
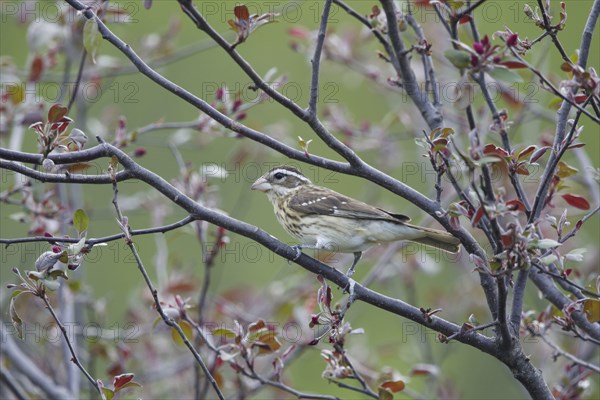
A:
(320, 218)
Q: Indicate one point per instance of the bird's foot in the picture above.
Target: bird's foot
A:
(298, 249)
(350, 290)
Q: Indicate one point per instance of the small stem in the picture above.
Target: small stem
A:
(74, 358)
(316, 61)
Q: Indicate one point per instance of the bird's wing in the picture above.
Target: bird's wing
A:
(321, 201)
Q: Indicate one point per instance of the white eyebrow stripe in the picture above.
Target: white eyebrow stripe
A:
(288, 172)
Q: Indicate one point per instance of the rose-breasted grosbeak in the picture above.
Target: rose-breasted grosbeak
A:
(323, 219)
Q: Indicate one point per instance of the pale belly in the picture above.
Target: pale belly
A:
(348, 235)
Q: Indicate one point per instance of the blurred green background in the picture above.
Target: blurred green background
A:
(110, 272)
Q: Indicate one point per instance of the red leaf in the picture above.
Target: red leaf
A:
(581, 98)
(576, 146)
(567, 67)
(493, 150)
(299, 33)
(393, 386)
(507, 240)
(576, 201)
(121, 380)
(538, 153)
(515, 205)
(477, 216)
(464, 19)
(37, 67)
(56, 113)
(525, 152)
(522, 170)
(513, 64)
(241, 12)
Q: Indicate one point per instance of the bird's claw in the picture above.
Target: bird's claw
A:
(350, 290)
(298, 252)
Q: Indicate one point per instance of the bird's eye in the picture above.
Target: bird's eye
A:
(279, 176)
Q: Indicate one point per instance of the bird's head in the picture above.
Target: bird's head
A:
(280, 181)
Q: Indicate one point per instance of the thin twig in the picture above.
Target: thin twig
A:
(552, 88)
(471, 330)
(355, 373)
(470, 8)
(566, 354)
(316, 61)
(74, 357)
(168, 320)
(430, 114)
(78, 80)
(316, 125)
(566, 280)
(574, 231)
(94, 241)
(11, 383)
(552, 32)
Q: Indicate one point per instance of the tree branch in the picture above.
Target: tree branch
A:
(316, 125)
(316, 61)
(430, 114)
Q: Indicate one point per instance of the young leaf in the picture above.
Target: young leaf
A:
(525, 152)
(543, 244)
(17, 322)
(228, 333)
(458, 58)
(564, 170)
(187, 331)
(513, 64)
(576, 254)
(592, 309)
(505, 75)
(576, 201)
(91, 38)
(393, 386)
(56, 113)
(80, 220)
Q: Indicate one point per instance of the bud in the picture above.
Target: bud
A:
(512, 40)
(528, 11)
(478, 47)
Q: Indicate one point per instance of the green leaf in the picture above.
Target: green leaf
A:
(17, 322)
(456, 4)
(505, 75)
(555, 102)
(225, 356)
(473, 320)
(80, 220)
(51, 284)
(187, 331)
(543, 244)
(549, 259)
(565, 170)
(91, 38)
(458, 58)
(76, 248)
(108, 393)
(488, 160)
(592, 309)
(576, 254)
(385, 394)
(228, 333)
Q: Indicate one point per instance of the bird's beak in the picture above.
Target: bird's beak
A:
(261, 184)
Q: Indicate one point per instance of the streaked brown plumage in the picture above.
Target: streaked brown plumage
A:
(323, 219)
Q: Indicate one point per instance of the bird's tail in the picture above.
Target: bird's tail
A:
(438, 239)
